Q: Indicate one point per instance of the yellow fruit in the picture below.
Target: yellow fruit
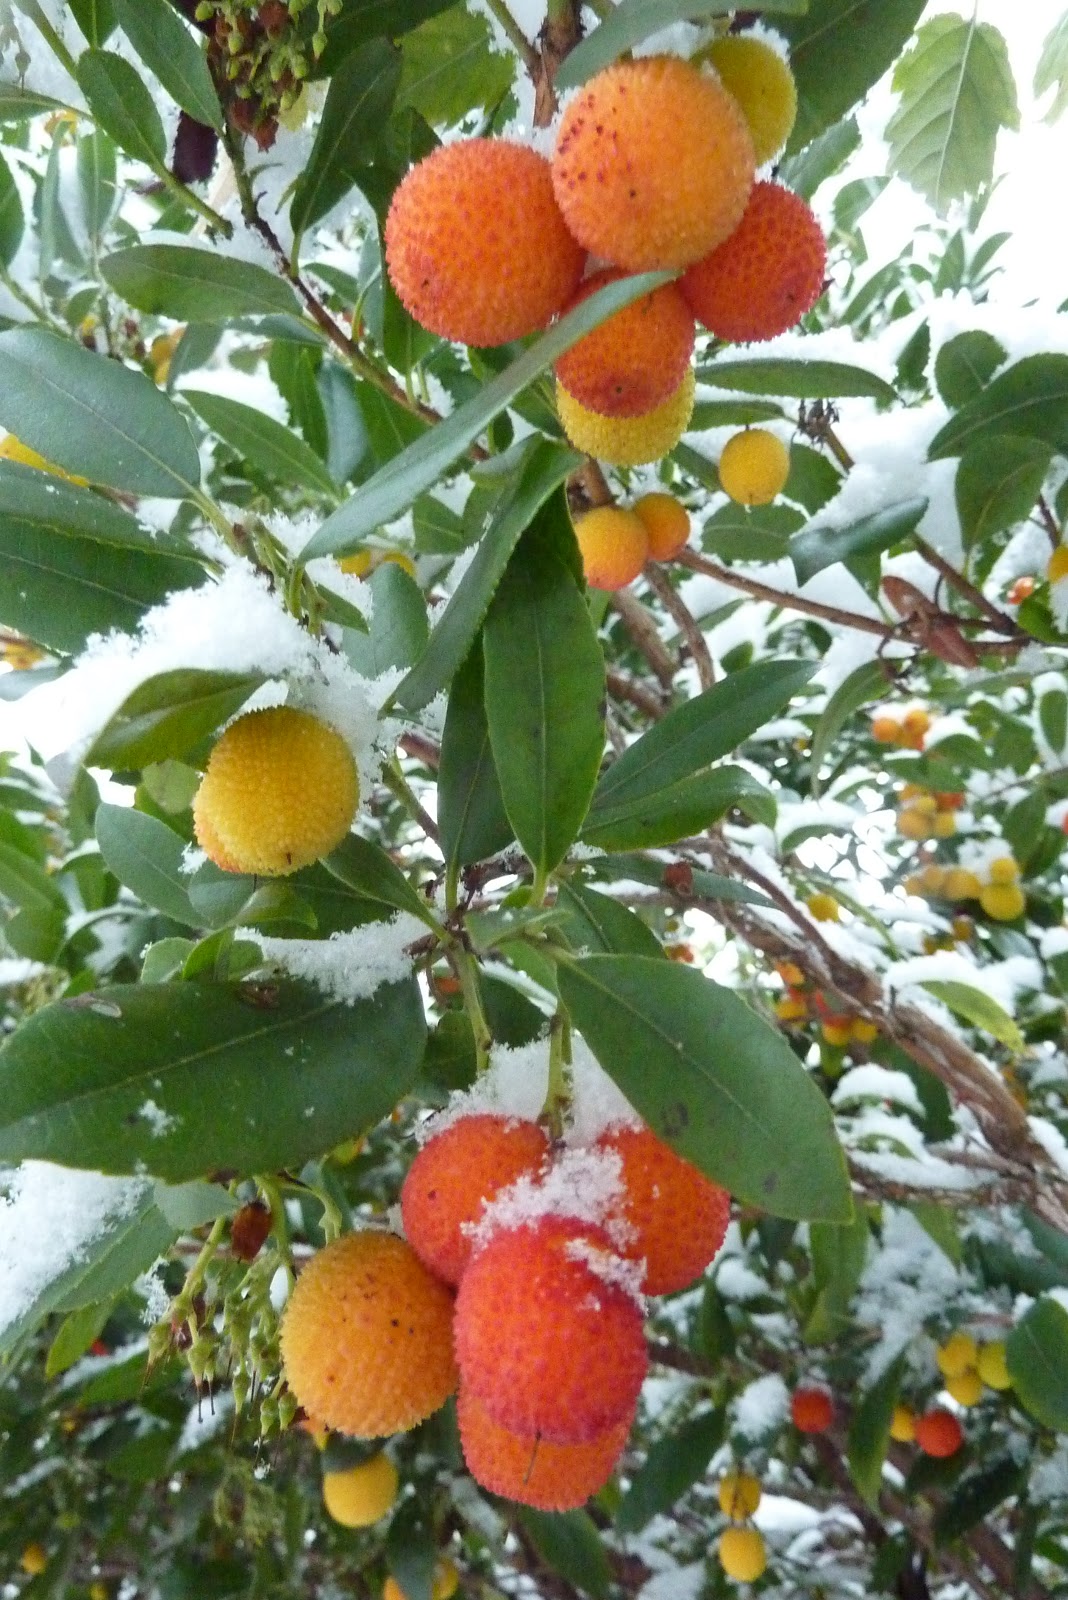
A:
(363, 562)
(363, 1494)
(912, 824)
(824, 907)
(863, 1032)
(944, 825)
(959, 1353)
(367, 1337)
(903, 1424)
(444, 1585)
(913, 884)
(1058, 564)
(790, 1010)
(916, 721)
(161, 353)
(666, 522)
(763, 85)
(20, 654)
(924, 803)
(280, 791)
(12, 449)
(885, 730)
(1002, 901)
(613, 544)
(992, 1366)
(933, 879)
(742, 1554)
(966, 1388)
(962, 929)
(98, 1591)
(739, 1495)
(34, 1559)
(754, 467)
(962, 884)
(837, 1033)
(653, 164)
(628, 441)
(1003, 870)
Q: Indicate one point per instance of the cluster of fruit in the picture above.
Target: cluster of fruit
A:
(907, 729)
(653, 169)
(967, 1368)
(927, 813)
(998, 891)
(802, 1003)
(616, 543)
(550, 1253)
(741, 1548)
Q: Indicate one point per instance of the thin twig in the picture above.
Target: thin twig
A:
(1049, 521)
(644, 636)
(997, 619)
(517, 38)
(673, 603)
(778, 597)
(623, 687)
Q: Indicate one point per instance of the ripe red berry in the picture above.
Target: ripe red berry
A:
(938, 1433)
(812, 1410)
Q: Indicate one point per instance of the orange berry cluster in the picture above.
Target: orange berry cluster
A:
(616, 543)
(927, 813)
(909, 730)
(548, 1325)
(801, 1003)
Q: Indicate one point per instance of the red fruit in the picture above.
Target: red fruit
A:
(636, 358)
(453, 1177)
(552, 1477)
(248, 1230)
(678, 1217)
(763, 279)
(938, 1433)
(812, 1410)
(548, 1346)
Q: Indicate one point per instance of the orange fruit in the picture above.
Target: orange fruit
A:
(763, 278)
(678, 1218)
(550, 1477)
(938, 1433)
(636, 358)
(614, 546)
(812, 1410)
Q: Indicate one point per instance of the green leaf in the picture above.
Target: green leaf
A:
(544, 692)
(869, 1431)
(168, 715)
(998, 482)
(675, 1462)
(411, 1551)
(978, 1008)
(76, 1333)
(73, 563)
(359, 20)
(122, 105)
(714, 1080)
(192, 285)
(695, 734)
(19, 105)
(418, 468)
(94, 417)
(867, 682)
(97, 174)
(1052, 69)
(838, 1258)
(367, 869)
(399, 631)
(976, 1496)
(732, 413)
(358, 106)
(1029, 400)
(96, 19)
(569, 1543)
(634, 20)
(602, 926)
(815, 548)
(169, 50)
(11, 218)
(265, 443)
(1053, 720)
(820, 159)
(146, 856)
(797, 380)
(24, 883)
(451, 67)
(180, 1079)
(543, 467)
(957, 93)
(471, 814)
(838, 51)
(965, 365)
(743, 533)
(678, 810)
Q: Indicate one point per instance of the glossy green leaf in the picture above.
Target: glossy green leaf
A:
(839, 49)
(11, 218)
(838, 1255)
(678, 811)
(122, 105)
(366, 868)
(418, 468)
(169, 50)
(452, 67)
(867, 682)
(965, 365)
(599, 925)
(96, 19)
(97, 181)
(869, 1431)
(732, 413)
(398, 632)
(631, 21)
(544, 693)
(675, 1462)
(146, 856)
(714, 1080)
(821, 158)
(471, 814)
(25, 883)
(73, 563)
(796, 379)
(979, 1008)
(743, 533)
(19, 105)
(1052, 69)
(569, 1543)
(977, 1495)
(166, 716)
(265, 443)
(815, 548)
(360, 20)
(957, 93)
(94, 417)
(358, 105)
(998, 482)
(180, 1079)
(193, 285)
(1029, 400)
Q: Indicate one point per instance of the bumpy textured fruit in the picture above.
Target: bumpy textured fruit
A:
(549, 1347)
(1058, 564)
(550, 1477)
(653, 165)
(742, 1554)
(885, 730)
(666, 522)
(837, 1033)
(959, 1353)
(812, 1410)
(361, 1495)
(961, 884)
(763, 279)
(739, 1495)
(454, 1175)
(903, 1424)
(676, 1216)
(938, 1433)
(763, 85)
(366, 1337)
(280, 791)
(754, 467)
(628, 441)
(993, 1367)
(636, 358)
(1002, 901)
(476, 247)
(966, 1388)
(614, 546)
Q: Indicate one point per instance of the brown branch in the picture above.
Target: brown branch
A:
(778, 597)
(644, 636)
(1049, 521)
(623, 687)
(997, 619)
(420, 748)
(674, 605)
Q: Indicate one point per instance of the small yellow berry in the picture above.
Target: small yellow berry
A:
(884, 730)
(903, 1424)
(912, 824)
(933, 878)
(1002, 901)
(1004, 870)
(824, 907)
(944, 825)
(791, 1010)
(739, 1495)
(863, 1032)
(959, 1353)
(837, 1034)
(361, 1495)
(34, 1559)
(613, 544)
(363, 562)
(742, 1554)
(992, 1366)
(1058, 564)
(754, 467)
(961, 884)
(966, 1388)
